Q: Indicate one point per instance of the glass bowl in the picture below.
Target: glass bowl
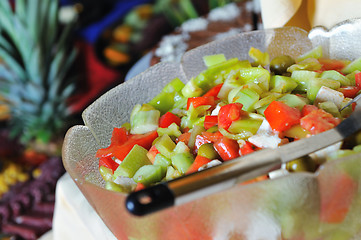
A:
(297, 206)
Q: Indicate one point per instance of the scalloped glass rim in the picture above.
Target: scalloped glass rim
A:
(113, 108)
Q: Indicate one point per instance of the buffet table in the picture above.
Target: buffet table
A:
(74, 218)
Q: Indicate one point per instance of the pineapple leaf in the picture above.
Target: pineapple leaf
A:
(55, 66)
(68, 90)
(52, 27)
(32, 19)
(67, 64)
(20, 10)
(10, 61)
(6, 45)
(6, 75)
(5, 5)
(32, 67)
(33, 93)
(37, 58)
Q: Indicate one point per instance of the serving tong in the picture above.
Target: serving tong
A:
(230, 173)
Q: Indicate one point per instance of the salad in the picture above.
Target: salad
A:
(231, 109)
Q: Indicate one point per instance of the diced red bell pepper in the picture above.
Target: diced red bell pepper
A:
(214, 91)
(307, 109)
(207, 137)
(349, 91)
(247, 148)
(153, 151)
(167, 119)
(139, 187)
(336, 197)
(199, 161)
(227, 148)
(229, 113)
(108, 162)
(120, 151)
(319, 121)
(210, 121)
(281, 117)
(257, 179)
(200, 101)
(184, 137)
(212, 137)
(358, 80)
(119, 136)
(331, 64)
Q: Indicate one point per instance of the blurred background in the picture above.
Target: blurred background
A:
(56, 58)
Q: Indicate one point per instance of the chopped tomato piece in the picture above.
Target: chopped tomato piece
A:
(214, 91)
(307, 109)
(210, 121)
(319, 121)
(349, 91)
(227, 148)
(281, 116)
(167, 119)
(199, 161)
(108, 162)
(200, 101)
(336, 197)
(229, 113)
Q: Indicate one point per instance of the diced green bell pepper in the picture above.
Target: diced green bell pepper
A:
(165, 145)
(143, 121)
(293, 100)
(164, 101)
(257, 75)
(260, 58)
(247, 97)
(265, 101)
(353, 66)
(311, 64)
(172, 131)
(172, 173)
(149, 174)
(334, 75)
(161, 160)
(211, 60)
(302, 77)
(106, 173)
(282, 84)
(182, 161)
(330, 107)
(248, 125)
(136, 158)
(313, 53)
(315, 84)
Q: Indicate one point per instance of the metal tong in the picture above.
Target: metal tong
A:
(227, 174)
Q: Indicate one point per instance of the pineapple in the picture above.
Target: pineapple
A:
(35, 61)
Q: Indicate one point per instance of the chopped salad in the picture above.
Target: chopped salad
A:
(231, 109)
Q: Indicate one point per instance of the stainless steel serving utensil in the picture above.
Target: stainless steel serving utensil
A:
(226, 175)
(355, 99)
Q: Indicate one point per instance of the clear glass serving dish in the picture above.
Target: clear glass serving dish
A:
(297, 206)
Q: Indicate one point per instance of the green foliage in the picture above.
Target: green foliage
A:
(36, 59)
